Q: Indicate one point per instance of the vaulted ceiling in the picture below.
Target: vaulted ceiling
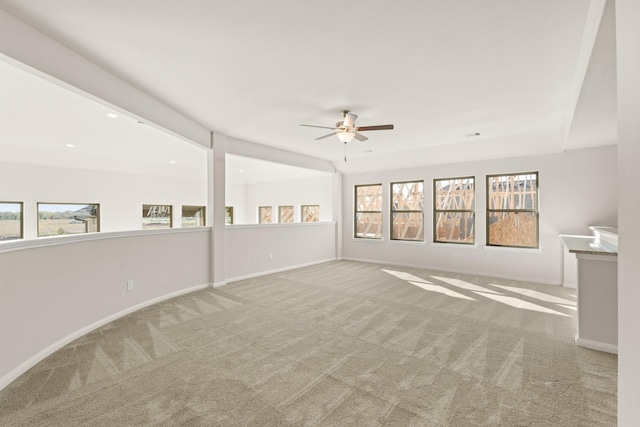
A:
(530, 77)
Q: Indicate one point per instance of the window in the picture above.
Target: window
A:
(407, 210)
(285, 214)
(454, 210)
(265, 215)
(512, 210)
(156, 216)
(11, 224)
(193, 216)
(228, 215)
(56, 219)
(310, 213)
(368, 211)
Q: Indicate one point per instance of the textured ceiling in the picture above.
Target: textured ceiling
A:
(531, 77)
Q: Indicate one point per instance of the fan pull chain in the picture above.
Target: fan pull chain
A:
(345, 152)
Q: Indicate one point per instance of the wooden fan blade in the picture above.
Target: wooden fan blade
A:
(325, 136)
(360, 137)
(349, 119)
(321, 127)
(378, 127)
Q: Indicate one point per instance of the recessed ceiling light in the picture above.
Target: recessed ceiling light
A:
(472, 134)
(173, 162)
(112, 115)
(70, 145)
(241, 171)
(368, 151)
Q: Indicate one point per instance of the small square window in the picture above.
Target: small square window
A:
(156, 216)
(310, 213)
(11, 221)
(265, 215)
(228, 215)
(285, 214)
(193, 216)
(57, 219)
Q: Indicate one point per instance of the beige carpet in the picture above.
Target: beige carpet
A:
(337, 344)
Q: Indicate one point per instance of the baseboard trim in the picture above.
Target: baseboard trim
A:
(277, 270)
(47, 351)
(597, 345)
(570, 285)
(218, 284)
(448, 270)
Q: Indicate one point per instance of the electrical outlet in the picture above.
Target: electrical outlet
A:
(129, 285)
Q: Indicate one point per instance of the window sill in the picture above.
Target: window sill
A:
(455, 245)
(513, 249)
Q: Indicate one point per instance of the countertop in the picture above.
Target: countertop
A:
(585, 245)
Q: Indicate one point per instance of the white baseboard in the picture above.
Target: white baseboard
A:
(42, 354)
(218, 284)
(277, 270)
(460, 271)
(596, 345)
(569, 285)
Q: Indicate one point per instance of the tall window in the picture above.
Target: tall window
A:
(310, 213)
(11, 222)
(368, 211)
(407, 210)
(454, 210)
(512, 210)
(156, 216)
(285, 214)
(265, 215)
(193, 216)
(56, 219)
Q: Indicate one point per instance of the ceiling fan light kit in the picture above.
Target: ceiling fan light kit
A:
(346, 129)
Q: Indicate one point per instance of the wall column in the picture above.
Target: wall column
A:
(628, 65)
(218, 245)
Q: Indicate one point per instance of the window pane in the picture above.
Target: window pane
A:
(156, 216)
(513, 192)
(56, 219)
(408, 226)
(407, 196)
(10, 221)
(369, 225)
(285, 214)
(513, 229)
(264, 215)
(455, 194)
(228, 215)
(193, 216)
(369, 198)
(310, 213)
(454, 227)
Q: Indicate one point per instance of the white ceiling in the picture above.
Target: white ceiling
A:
(515, 71)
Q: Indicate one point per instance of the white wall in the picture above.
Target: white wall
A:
(628, 57)
(576, 189)
(309, 191)
(52, 294)
(252, 250)
(120, 196)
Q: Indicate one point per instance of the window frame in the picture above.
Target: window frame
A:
(293, 213)
(436, 211)
(260, 214)
(66, 203)
(158, 228)
(21, 236)
(392, 210)
(535, 211)
(356, 212)
(196, 208)
(302, 215)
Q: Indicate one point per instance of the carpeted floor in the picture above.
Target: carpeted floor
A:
(337, 344)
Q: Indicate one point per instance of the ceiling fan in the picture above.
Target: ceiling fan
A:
(346, 130)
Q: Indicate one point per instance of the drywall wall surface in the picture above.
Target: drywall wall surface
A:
(309, 191)
(252, 250)
(576, 189)
(120, 196)
(236, 197)
(49, 293)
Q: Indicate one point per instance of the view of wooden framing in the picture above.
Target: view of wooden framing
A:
(285, 214)
(265, 215)
(453, 210)
(512, 210)
(407, 210)
(310, 213)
